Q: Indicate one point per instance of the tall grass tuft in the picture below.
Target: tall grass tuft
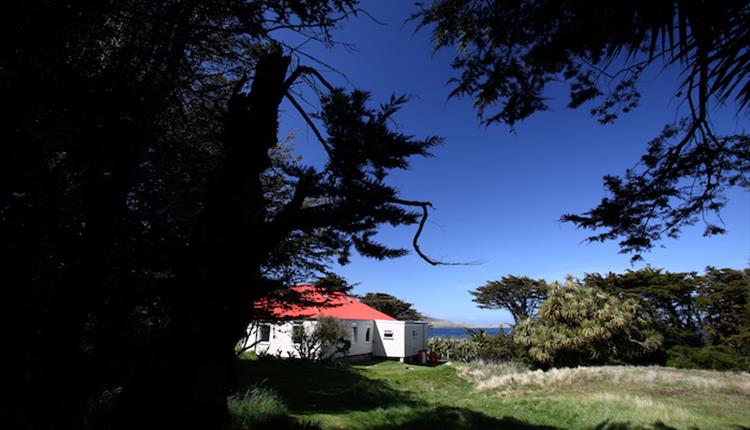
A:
(261, 408)
(256, 408)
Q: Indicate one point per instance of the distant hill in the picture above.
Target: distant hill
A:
(438, 323)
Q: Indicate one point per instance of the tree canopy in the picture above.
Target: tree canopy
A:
(509, 52)
(668, 299)
(699, 320)
(392, 306)
(519, 295)
(579, 325)
(724, 304)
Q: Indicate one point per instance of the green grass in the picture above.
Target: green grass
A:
(391, 395)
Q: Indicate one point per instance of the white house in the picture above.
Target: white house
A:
(371, 332)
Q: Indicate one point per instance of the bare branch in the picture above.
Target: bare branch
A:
(315, 59)
(301, 70)
(415, 240)
(309, 122)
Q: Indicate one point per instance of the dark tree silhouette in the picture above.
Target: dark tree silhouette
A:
(392, 306)
(520, 295)
(144, 205)
(509, 51)
(333, 282)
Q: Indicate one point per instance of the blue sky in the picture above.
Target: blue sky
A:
(498, 195)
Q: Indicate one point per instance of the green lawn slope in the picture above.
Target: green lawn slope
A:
(391, 395)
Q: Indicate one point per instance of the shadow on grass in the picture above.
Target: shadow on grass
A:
(446, 417)
(337, 388)
(320, 387)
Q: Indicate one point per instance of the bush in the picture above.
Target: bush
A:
(480, 346)
(497, 348)
(708, 357)
(451, 348)
(579, 325)
(327, 339)
(261, 408)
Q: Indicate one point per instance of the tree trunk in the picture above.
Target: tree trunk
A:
(190, 371)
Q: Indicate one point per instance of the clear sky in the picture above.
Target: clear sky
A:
(498, 195)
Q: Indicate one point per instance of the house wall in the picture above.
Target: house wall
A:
(415, 338)
(281, 343)
(389, 346)
(360, 345)
(407, 338)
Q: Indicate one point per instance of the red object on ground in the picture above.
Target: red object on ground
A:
(433, 357)
(318, 302)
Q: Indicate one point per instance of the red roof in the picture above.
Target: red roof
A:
(320, 303)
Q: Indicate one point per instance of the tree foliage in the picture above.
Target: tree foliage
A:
(147, 199)
(724, 303)
(668, 299)
(579, 325)
(715, 357)
(520, 295)
(700, 321)
(333, 282)
(508, 52)
(391, 306)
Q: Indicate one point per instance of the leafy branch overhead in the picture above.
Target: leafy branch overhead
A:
(509, 52)
(348, 199)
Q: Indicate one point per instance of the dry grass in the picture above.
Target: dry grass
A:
(640, 396)
(487, 376)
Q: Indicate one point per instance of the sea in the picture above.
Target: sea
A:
(461, 332)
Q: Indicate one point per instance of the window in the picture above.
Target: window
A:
(367, 334)
(298, 333)
(388, 335)
(265, 333)
(354, 334)
(414, 333)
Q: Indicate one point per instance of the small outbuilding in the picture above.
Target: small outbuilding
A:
(370, 332)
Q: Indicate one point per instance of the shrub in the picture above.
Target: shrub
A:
(327, 339)
(451, 348)
(579, 325)
(481, 346)
(260, 408)
(496, 348)
(719, 357)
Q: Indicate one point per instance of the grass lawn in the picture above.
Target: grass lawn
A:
(391, 395)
